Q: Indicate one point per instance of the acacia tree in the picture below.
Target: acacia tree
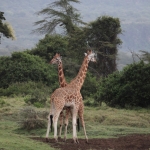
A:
(102, 36)
(59, 14)
(5, 28)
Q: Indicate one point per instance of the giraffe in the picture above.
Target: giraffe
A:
(62, 81)
(69, 96)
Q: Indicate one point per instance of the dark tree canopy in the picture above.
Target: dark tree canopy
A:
(49, 45)
(103, 37)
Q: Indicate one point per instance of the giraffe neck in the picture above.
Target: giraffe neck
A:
(62, 80)
(79, 79)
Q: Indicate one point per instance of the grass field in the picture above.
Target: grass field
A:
(101, 122)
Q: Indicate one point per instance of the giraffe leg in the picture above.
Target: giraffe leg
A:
(48, 127)
(68, 111)
(80, 113)
(74, 123)
(61, 123)
(55, 120)
(50, 121)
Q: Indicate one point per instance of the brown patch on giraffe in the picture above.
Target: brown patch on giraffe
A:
(80, 79)
(63, 84)
(60, 73)
(61, 79)
(71, 96)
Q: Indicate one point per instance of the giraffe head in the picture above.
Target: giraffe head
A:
(91, 56)
(56, 59)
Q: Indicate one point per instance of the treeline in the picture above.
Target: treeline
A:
(33, 65)
(29, 73)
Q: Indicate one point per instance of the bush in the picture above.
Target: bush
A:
(38, 97)
(90, 102)
(90, 86)
(127, 88)
(50, 45)
(30, 119)
(2, 103)
(23, 67)
(25, 88)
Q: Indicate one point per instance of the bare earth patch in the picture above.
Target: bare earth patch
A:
(130, 142)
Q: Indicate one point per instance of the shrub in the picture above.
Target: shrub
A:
(38, 97)
(29, 119)
(50, 45)
(25, 88)
(90, 86)
(23, 67)
(127, 88)
(2, 103)
(90, 102)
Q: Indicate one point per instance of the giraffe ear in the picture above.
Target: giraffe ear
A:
(85, 54)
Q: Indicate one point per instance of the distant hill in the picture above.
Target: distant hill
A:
(133, 14)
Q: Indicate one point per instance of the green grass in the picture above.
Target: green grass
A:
(11, 137)
(9, 140)
(101, 122)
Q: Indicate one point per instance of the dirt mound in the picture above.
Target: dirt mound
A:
(130, 142)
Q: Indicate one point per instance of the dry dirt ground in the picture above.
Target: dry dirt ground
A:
(130, 142)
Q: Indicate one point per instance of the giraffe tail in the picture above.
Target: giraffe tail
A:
(51, 121)
(78, 124)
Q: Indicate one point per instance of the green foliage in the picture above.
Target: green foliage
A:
(90, 86)
(34, 93)
(128, 88)
(77, 45)
(25, 88)
(30, 119)
(49, 45)
(2, 103)
(38, 97)
(102, 35)
(23, 67)
(90, 102)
